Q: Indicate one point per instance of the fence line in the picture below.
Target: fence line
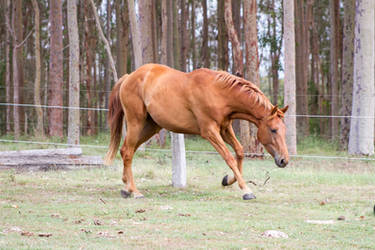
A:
(193, 151)
(51, 107)
(105, 109)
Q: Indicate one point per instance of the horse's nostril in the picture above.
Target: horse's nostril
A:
(282, 162)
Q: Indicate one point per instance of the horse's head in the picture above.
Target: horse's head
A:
(271, 133)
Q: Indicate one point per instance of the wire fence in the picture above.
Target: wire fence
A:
(187, 151)
(105, 109)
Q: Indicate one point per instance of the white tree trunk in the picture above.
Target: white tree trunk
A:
(136, 38)
(73, 125)
(290, 76)
(361, 138)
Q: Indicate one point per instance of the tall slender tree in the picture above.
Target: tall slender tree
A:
(252, 71)
(334, 57)
(73, 115)
(55, 90)
(122, 26)
(347, 71)
(7, 66)
(222, 50)
(17, 61)
(39, 130)
(290, 76)
(302, 19)
(205, 49)
(361, 138)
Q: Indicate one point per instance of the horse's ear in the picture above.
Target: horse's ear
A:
(274, 110)
(284, 109)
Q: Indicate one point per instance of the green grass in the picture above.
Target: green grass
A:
(203, 215)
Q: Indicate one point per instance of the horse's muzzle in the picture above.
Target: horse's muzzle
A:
(281, 162)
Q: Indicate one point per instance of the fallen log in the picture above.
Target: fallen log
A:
(47, 159)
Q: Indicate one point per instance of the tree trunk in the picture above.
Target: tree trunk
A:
(17, 66)
(222, 38)
(237, 58)
(164, 32)
(289, 76)
(136, 38)
(233, 37)
(105, 41)
(122, 23)
(251, 144)
(55, 97)
(192, 43)
(89, 62)
(183, 34)
(347, 71)
(334, 9)
(7, 69)
(205, 49)
(73, 115)
(302, 11)
(176, 37)
(37, 97)
(145, 30)
(361, 138)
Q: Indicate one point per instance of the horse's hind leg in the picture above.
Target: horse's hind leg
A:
(229, 137)
(137, 133)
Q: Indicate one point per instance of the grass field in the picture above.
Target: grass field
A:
(83, 209)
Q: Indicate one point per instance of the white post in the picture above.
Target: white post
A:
(178, 160)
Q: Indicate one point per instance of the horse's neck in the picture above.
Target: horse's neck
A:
(250, 109)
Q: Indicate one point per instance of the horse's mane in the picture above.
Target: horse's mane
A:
(230, 81)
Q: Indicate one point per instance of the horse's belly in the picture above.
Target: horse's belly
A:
(173, 116)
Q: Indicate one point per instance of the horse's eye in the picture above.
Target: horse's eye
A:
(274, 131)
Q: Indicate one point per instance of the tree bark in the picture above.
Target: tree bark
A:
(136, 38)
(89, 63)
(334, 9)
(176, 37)
(302, 17)
(55, 96)
(250, 140)
(7, 68)
(347, 71)
(122, 22)
(39, 130)
(223, 58)
(205, 49)
(183, 34)
(17, 66)
(290, 76)
(233, 38)
(74, 86)
(104, 40)
(192, 43)
(361, 138)
(145, 28)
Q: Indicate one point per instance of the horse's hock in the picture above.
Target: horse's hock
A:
(47, 159)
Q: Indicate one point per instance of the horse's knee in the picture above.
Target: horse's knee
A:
(240, 153)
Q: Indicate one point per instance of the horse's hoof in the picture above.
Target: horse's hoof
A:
(125, 194)
(249, 196)
(224, 182)
(139, 196)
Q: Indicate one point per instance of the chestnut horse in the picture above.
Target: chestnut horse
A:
(202, 102)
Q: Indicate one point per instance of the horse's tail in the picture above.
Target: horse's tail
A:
(115, 120)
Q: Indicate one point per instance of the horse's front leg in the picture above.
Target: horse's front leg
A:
(212, 134)
(229, 137)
